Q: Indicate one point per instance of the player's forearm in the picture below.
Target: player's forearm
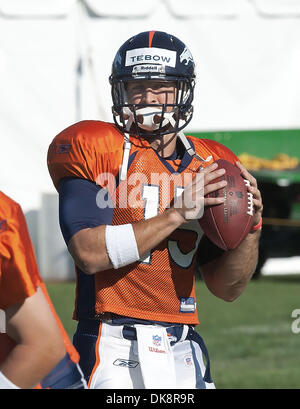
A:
(88, 246)
(227, 276)
(38, 342)
(149, 233)
(27, 365)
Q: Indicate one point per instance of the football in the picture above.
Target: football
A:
(227, 224)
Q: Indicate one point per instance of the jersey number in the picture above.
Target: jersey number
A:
(182, 245)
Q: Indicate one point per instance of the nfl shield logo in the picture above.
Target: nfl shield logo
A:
(156, 340)
(188, 361)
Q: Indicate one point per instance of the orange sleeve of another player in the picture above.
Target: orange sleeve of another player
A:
(85, 150)
(19, 276)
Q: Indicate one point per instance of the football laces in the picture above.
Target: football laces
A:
(250, 199)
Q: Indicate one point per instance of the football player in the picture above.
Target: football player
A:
(130, 194)
(35, 351)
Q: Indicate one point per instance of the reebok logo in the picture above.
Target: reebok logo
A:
(3, 225)
(64, 148)
(126, 363)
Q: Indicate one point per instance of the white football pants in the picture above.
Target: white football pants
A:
(151, 360)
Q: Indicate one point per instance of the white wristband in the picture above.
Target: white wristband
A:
(121, 245)
(6, 383)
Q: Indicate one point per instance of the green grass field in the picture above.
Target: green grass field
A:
(250, 341)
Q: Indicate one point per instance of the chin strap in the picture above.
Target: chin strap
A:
(187, 144)
(190, 150)
(124, 166)
(126, 147)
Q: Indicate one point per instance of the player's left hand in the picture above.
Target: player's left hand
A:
(253, 188)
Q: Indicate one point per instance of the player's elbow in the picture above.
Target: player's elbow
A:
(230, 297)
(228, 292)
(88, 266)
(50, 342)
(233, 292)
(87, 263)
(55, 350)
(88, 253)
(46, 351)
(225, 295)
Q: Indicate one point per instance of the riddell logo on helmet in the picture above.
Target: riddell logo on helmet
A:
(141, 68)
(150, 56)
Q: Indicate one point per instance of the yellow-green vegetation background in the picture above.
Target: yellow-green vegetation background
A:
(250, 341)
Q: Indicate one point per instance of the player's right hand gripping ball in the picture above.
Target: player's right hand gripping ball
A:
(227, 224)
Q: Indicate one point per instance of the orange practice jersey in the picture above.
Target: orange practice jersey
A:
(19, 274)
(160, 287)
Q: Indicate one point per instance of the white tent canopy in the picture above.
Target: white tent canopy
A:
(278, 8)
(36, 8)
(247, 65)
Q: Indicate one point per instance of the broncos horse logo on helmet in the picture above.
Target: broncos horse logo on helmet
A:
(186, 56)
